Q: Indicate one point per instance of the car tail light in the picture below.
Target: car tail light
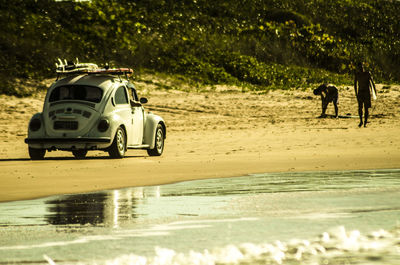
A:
(103, 125)
(35, 124)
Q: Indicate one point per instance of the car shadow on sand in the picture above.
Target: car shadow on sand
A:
(70, 158)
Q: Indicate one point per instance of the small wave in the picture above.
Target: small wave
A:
(336, 246)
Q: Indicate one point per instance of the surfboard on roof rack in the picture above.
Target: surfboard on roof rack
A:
(112, 71)
(71, 67)
(65, 68)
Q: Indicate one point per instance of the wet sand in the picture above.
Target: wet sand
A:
(218, 132)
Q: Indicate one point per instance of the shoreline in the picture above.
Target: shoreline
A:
(209, 135)
(46, 191)
(60, 173)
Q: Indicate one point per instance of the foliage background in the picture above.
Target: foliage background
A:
(259, 44)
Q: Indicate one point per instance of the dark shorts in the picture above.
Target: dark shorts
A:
(332, 95)
(364, 99)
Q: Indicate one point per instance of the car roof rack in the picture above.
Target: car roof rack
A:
(75, 68)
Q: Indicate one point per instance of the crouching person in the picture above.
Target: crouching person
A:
(329, 93)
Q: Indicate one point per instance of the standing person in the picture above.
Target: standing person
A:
(329, 93)
(365, 83)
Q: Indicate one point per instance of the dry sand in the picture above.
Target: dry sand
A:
(217, 132)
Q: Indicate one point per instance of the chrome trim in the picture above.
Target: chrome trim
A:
(67, 140)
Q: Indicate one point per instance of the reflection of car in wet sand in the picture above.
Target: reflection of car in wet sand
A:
(92, 109)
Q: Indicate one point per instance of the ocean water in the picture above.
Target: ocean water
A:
(336, 217)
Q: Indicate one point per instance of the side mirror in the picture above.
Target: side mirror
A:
(143, 100)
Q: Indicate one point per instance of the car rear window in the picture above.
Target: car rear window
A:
(75, 92)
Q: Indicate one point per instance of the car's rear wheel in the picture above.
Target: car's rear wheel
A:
(159, 142)
(79, 154)
(36, 154)
(118, 146)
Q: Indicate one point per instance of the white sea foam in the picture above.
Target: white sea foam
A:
(332, 247)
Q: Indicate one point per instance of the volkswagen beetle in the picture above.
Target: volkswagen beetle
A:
(94, 109)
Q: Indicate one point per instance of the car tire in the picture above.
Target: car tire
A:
(79, 154)
(118, 146)
(158, 142)
(36, 154)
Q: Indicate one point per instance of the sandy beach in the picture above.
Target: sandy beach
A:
(214, 132)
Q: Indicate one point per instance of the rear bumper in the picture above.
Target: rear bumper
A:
(81, 140)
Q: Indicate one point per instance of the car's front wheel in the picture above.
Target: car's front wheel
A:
(159, 142)
(117, 148)
(36, 154)
(79, 154)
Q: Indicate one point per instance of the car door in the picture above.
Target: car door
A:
(124, 111)
(137, 117)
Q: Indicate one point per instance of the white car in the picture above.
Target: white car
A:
(94, 109)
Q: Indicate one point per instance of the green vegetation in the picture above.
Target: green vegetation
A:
(260, 44)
